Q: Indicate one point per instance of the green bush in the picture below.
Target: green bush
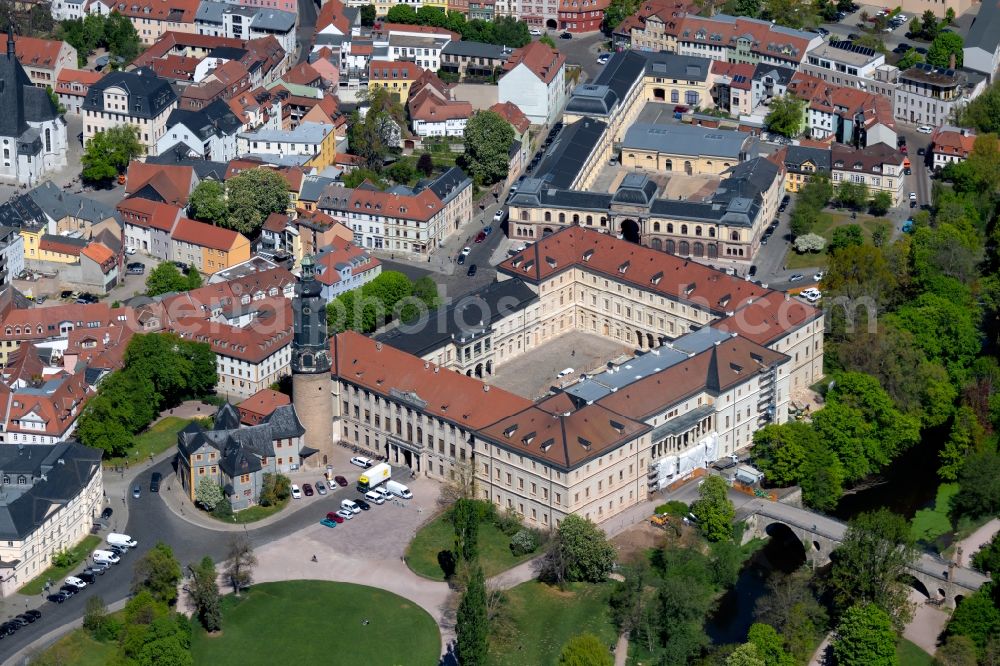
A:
(65, 558)
(524, 542)
(223, 510)
(508, 522)
(674, 508)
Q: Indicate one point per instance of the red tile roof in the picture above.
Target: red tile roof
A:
(648, 269)
(766, 40)
(172, 182)
(732, 70)
(387, 28)
(34, 52)
(302, 74)
(332, 14)
(205, 235)
(954, 143)
(385, 70)
(180, 40)
(151, 214)
(57, 245)
(260, 405)
(57, 410)
(175, 67)
(45, 323)
(428, 107)
(174, 11)
(397, 375)
(768, 319)
(99, 254)
(512, 113)
(543, 60)
(68, 77)
(267, 335)
(422, 206)
(342, 251)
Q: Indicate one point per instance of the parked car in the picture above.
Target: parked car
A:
(921, 151)
(472, 270)
(107, 513)
(363, 504)
(40, 299)
(154, 482)
(461, 260)
(69, 589)
(350, 505)
(341, 481)
(500, 215)
(795, 278)
(535, 32)
(383, 492)
(466, 250)
(137, 491)
(819, 276)
(96, 569)
(296, 492)
(86, 298)
(36, 614)
(58, 597)
(87, 577)
(326, 522)
(603, 58)
(480, 237)
(25, 617)
(361, 462)
(566, 35)
(334, 517)
(903, 149)
(374, 497)
(487, 230)
(925, 129)
(308, 490)
(130, 251)
(135, 268)
(345, 514)
(321, 488)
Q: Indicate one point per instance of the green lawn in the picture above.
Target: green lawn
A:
(910, 654)
(79, 649)
(545, 617)
(255, 513)
(160, 437)
(82, 550)
(828, 221)
(438, 535)
(314, 622)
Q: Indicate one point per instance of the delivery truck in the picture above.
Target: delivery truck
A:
(373, 476)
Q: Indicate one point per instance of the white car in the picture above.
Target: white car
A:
(564, 372)
(913, 196)
(500, 215)
(130, 251)
(382, 492)
(348, 505)
(374, 497)
(345, 514)
(76, 582)
(296, 492)
(925, 129)
(603, 58)
(466, 250)
(535, 32)
(818, 277)
(362, 462)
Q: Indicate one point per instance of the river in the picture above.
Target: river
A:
(908, 485)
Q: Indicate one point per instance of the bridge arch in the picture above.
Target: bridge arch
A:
(786, 536)
(916, 585)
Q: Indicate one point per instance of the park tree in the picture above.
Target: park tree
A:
(425, 164)
(929, 25)
(809, 243)
(880, 203)
(208, 202)
(465, 518)
(204, 593)
(851, 194)
(746, 655)
(109, 152)
(208, 493)
(488, 138)
(472, 623)
(956, 651)
(679, 614)
(402, 14)
(786, 116)
(369, 136)
(579, 552)
(355, 177)
(782, 450)
(865, 637)
(628, 598)
(618, 11)
(121, 37)
(585, 650)
(987, 558)
(982, 113)
(401, 171)
(241, 562)
(750, 8)
(848, 235)
(714, 510)
(944, 46)
(791, 606)
(977, 618)
(870, 562)
(158, 572)
(967, 436)
(253, 195)
(770, 645)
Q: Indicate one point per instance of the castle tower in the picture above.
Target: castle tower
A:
(311, 383)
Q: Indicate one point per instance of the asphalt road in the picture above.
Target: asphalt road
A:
(150, 521)
(306, 28)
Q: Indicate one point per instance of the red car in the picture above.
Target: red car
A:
(334, 517)
(903, 149)
(341, 481)
(481, 237)
(307, 489)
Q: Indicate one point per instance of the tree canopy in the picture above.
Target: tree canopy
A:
(158, 572)
(208, 202)
(585, 650)
(253, 194)
(488, 138)
(714, 510)
(109, 152)
(167, 278)
(579, 552)
(944, 46)
(786, 116)
(865, 637)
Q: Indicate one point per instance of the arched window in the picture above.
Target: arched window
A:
(576, 218)
(21, 480)
(711, 232)
(713, 251)
(669, 165)
(6, 479)
(590, 219)
(697, 230)
(656, 226)
(524, 216)
(684, 229)
(669, 247)
(548, 216)
(399, 427)
(670, 227)
(48, 140)
(699, 249)
(734, 235)
(656, 244)
(675, 97)
(684, 248)
(562, 218)
(709, 164)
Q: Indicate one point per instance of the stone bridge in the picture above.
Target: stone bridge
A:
(939, 580)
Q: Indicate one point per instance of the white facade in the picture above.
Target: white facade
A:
(541, 102)
(449, 127)
(66, 10)
(44, 150)
(239, 378)
(215, 148)
(12, 256)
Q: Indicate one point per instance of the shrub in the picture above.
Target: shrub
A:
(223, 510)
(102, 627)
(508, 522)
(65, 558)
(524, 542)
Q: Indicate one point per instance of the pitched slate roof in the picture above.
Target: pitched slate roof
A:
(20, 100)
(149, 95)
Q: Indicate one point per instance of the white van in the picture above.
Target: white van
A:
(374, 497)
(123, 540)
(105, 557)
(362, 462)
(348, 505)
(398, 489)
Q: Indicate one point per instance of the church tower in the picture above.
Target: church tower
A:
(311, 383)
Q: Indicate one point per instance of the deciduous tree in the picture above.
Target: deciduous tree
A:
(158, 572)
(956, 651)
(488, 138)
(865, 637)
(208, 493)
(579, 552)
(204, 592)
(786, 116)
(208, 202)
(164, 279)
(585, 650)
(809, 243)
(253, 195)
(944, 46)
(880, 203)
(714, 510)
(472, 624)
(240, 561)
(109, 152)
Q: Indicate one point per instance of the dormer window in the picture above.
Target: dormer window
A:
(624, 267)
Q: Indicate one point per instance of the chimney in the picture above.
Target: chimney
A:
(10, 40)
(951, 61)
